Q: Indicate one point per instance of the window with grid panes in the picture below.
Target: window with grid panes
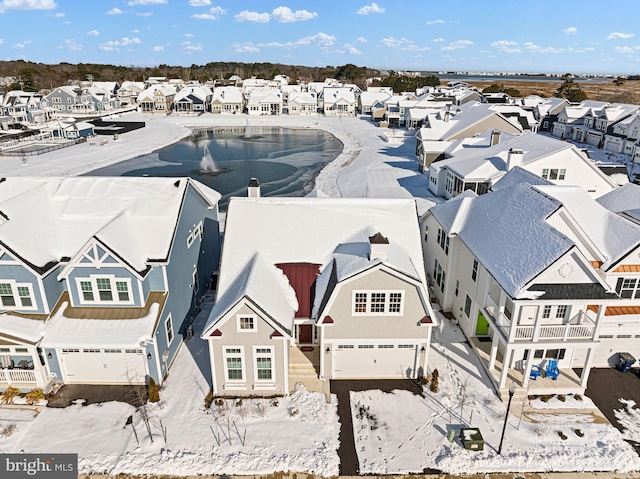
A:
(123, 290)
(6, 295)
(377, 302)
(234, 364)
(104, 289)
(263, 364)
(87, 290)
(360, 303)
(395, 302)
(25, 296)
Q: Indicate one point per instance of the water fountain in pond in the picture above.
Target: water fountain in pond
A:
(207, 165)
(248, 134)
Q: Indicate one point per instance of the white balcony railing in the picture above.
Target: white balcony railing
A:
(17, 376)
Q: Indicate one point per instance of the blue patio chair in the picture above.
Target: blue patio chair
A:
(551, 369)
(535, 372)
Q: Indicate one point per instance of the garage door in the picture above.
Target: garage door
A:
(103, 366)
(375, 360)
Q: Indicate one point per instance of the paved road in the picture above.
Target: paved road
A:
(607, 386)
(349, 465)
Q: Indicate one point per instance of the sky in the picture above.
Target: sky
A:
(540, 36)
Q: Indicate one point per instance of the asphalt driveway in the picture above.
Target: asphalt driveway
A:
(349, 465)
(92, 394)
(607, 386)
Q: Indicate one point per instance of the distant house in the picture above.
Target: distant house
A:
(100, 281)
(265, 101)
(227, 99)
(303, 103)
(128, 92)
(70, 100)
(158, 97)
(23, 107)
(338, 101)
(193, 99)
(343, 297)
(546, 111)
(69, 130)
(373, 98)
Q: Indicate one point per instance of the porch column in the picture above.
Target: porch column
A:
(586, 369)
(537, 323)
(527, 368)
(599, 320)
(494, 351)
(513, 325)
(425, 356)
(505, 366)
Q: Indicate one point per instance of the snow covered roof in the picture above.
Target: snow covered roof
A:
(314, 230)
(26, 329)
(507, 232)
(228, 94)
(266, 95)
(117, 333)
(48, 219)
(622, 199)
(516, 176)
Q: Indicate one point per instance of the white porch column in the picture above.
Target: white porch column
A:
(527, 368)
(505, 366)
(599, 317)
(586, 369)
(425, 356)
(513, 325)
(494, 351)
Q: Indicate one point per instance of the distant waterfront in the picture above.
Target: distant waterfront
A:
(519, 78)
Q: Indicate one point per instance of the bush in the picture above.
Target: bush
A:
(208, 399)
(562, 398)
(293, 411)
(274, 403)
(34, 396)
(9, 395)
(562, 435)
(579, 432)
(433, 387)
(545, 398)
(154, 393)
(239, 403)
(8, 429)
(219, 402)
(577, 397)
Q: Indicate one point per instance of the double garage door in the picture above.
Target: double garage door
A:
(375, 361)
(103, 366)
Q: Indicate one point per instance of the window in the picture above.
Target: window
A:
(626, 287)
(195, 234)
(233, 364)
(554, 173)
(246, 323)
(474, 270)
(168, 326)
(104, 289)
(443, 241)
(378, 303)
(561, 311)
(426, 233)
(546, 312)
(457, 287)
(264, 364)
(14, 294)
(365, 346)
(467, 306)
(439, 275)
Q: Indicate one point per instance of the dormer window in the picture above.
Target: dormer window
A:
(16, 295)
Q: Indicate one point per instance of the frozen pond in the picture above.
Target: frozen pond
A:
(284, 160)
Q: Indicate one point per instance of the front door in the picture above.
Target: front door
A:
(482, 326)
(305, 333)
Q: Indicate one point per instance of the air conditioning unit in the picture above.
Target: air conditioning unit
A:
(189, 331)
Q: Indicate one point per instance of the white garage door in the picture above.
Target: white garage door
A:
(375, 360)
(103, 366)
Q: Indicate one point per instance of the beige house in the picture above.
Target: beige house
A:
(343, 297)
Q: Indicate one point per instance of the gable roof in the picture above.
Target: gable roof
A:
(53, 218)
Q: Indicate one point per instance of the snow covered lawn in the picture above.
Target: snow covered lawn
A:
(294, 433)
(406, 433)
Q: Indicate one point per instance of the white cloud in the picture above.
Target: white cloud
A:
(145, 14)
(360, 40)
(188, 35)
(214, 14)
(506, 46)
(369, 9)
(190, 47)
(351, 50)
(199, 3)
(158, 48)
(570, 31)
(57, 15)
(135, 30)
(532, 47)
(132, 3)
(21, 44)
(245, 48)
(438, 40)
(458, 45)
(6, 5)
(111, 46)
(403, 44)
(632, 49)
(414, 48)
(1, 41)
(247, 16)
(93, 33)
(614, 35)
(71, 45)
(434, 22)
(286, 15)
(319, 39)
(114, 11)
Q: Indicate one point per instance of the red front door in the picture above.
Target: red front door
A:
(305, 333)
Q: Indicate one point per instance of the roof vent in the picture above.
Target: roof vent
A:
(378, 247)
(253, 190)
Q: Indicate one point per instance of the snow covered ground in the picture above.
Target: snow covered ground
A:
(401, 432)
(295, 433)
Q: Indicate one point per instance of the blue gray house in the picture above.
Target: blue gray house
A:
(100, 278)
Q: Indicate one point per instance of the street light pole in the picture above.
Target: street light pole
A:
(512, 389)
